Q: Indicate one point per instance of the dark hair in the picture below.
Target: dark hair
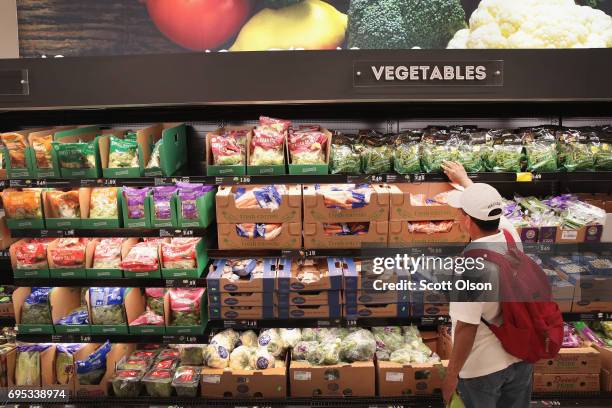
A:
(488, 226)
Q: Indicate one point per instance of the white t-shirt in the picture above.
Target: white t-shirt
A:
(487, 355)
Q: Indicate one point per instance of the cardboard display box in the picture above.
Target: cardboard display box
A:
(63, 302)
(144, 222)
(360, 275)
(172, 151)
(587, 306)
(19, 297)
(131, 295)
(118, 351)
(315, 237)
(242, 312)
(590, 233)
(290, 209)
(343, 380)
(311, 312)
(400, 235)
(375, 310)
(189, 330)
(261, 299)
(193, 273)
(81, 134)
(288, 272)
(324, 297)
(268, 383)
(125, 250)
(606, 356)
(563, 383)
(583, 360)
(591, 287)
(289, 238)
(365, 297)
(54, 220)
(97, 223)
(5, 235)
(205, 207)
(606, 380)
(135, 306)
(266, 170)
(430, 309)
(216, 283)
(65, 273)
(25, 223)
(106, 273)
(395, 380)
(316, 211)
(403, 210)
(47, 369)
(31, 169)
(25, 273)
(321, 169)
(218, 170)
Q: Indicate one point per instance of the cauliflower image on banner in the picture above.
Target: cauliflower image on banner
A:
(535, 24)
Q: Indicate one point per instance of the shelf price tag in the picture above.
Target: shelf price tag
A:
(525, 177)
(417, 178)
(376, 179)
(242, 180)
(392, 178)
(85, 339)
(109, 182)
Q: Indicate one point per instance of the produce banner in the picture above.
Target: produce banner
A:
(128, 27)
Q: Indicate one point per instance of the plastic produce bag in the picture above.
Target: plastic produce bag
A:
(290, 337)
(307, 146)
(406, 154)
(107, 254)
(32, 253)
(189, 193)
(127, 383)
(36, 308)
(226, 151)
(304, 350)
(148, 318)
(78, 316)
(345, 196)
(326, 353)
(192, 354)
(91, 370)
(22, 204)
(155, 300)
(185, 306)
(269, 197)
(107, 306)
(377, 153)
(268, 142)
(217, 356)
(248, 338)
(570, 337)
(186, 381)
(64, 362)
(103, 203)
(27, 365)
(69, 253)
(180, 253)
(64, 204)
(267, 232)
(240, 358)
(506, 157)
(162, 196)
(154, 159)
(227, 338)
(344, 156)
(78, 155)
(135, 199)
(541, 150)
(159, 383)
(358, 346)
(142, 257)
(122, 153)
(437, 145)
(16, 145)
(272, 341)
(262, 359)
(388, 339)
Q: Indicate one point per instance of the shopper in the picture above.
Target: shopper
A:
(480, 370)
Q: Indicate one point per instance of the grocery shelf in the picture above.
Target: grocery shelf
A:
(113, 232)
(115, 282)
(6, 321)
(113, 338)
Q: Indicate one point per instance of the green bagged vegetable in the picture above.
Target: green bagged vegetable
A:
(506, 154)
(344, 155)
(602, 151)
(107, 306)
(78, 155)
(437, 146)
(154, 160)
(541, 149)
(406, 154)
(64, 362)
(123, 152)
(159, 383)
(185, 306)
(470, 149)
(36, 308)
(27, 365)
(574, 150)
(377, 153)
(127, 383)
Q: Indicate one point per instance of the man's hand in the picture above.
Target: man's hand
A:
(456, 173)
(449, 386)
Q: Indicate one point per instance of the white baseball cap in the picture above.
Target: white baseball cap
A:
(480, 201)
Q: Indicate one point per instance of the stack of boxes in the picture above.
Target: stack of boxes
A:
(573, 370)
(361, 297)
(288, 215)
(430, 303)
(309, 289)
(316, 214)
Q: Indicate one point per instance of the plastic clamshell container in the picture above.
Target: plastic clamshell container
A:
(127, 383)
(159, 383)
(186, 380)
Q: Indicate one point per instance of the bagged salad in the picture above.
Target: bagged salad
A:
(21, 205)
(91, 370)
(107, 254)
(406, 154)
(574, 150)
(123, 152)
(229, 148)
(64, 204)
(189, 193)
(307, 145)
(69, 253)
(345, 155)
(142, 257)
(471, 145)
(64, 362)
(154, 298)
(36, 308)
(42, 146)
(107, 306)
(135, 200)
(268, 197)
(185, 306)
(602, 149)
(32, 253)
(506, 153)
(27, 364)
(377, 153)
(76, 155)
(162, 197)
(16, 145)
(154, 160)
(103, 203)
(438, 144)
(76, 317)
(179, 253)
(268, 142)
(541, 149)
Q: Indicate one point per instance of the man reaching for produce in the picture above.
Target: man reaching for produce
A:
(480, 370)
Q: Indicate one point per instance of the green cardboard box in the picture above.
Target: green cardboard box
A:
(172, 139)
(99, 223)
(19, 172)
(24, 223)
(159, 223)
(19, 297)
(317, 169)
(68, 273)
(228, 170)
(135, 306)
(201, 262)
(31, 273)
(45, 172)
(111, 328)
(82, 134)
(144, 222)
(206, 211)
(188, 330)
(72, 329)
(104, 144)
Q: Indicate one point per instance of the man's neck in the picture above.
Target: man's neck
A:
(483, 234)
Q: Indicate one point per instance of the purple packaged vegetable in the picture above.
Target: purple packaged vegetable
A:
(161, 201)
(189, 193)
(135, 199)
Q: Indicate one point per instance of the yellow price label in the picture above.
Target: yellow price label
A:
(524, 177)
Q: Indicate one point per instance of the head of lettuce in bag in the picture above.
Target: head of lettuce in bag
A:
(36, 308)
(27, 364)
(107, 306)
(91, 370)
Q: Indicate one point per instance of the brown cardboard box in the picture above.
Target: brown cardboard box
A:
(289, 238)
(47, 369)
(565, 306)
(585, 306)
(403, 210)
(5, 235)
(219, 383)
(583, 360)
(381, 310)
(315, 237)
(316, 211)
(63, 301)
(323, 297)
(345, 380)
(117, 352)
(245, 312)
(565, 383)
(330, 275)
(241, 298)
(290, 209)
(606, 356)
(399, 235)
(313, 312)
(395, 380)
(5, 349)
(606, 380)
(7, 309)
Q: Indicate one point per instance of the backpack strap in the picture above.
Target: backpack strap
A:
(509, 240)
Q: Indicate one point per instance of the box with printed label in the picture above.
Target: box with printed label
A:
(430, 309)
(366, 297)
(234, 383)
(310, 312)
(396, 380)
(19, 297)
(309, 275)
(289, 236)
(322, 235)
(588, 306)
(65, 301)
(228, 212)
(117, 352)
(343, 380)
(421, 202)
(242, 312)
(582, 360)
(407, 233)
(317, 208)
(591, 287)
(559, 235)
(310, 298)
(565, 382)
(377, 310)
(221, 277)
(364, 275)
(262, 299)
(606, 356)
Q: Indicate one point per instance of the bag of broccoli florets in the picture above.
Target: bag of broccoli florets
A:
(91, 370)
(107, 306)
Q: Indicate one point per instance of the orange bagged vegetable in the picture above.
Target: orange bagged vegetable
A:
(16, 145)
(22, 204)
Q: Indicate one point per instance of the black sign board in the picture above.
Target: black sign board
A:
(428, 73)
(14, 82)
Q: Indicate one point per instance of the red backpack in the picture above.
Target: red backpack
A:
(531, 330)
